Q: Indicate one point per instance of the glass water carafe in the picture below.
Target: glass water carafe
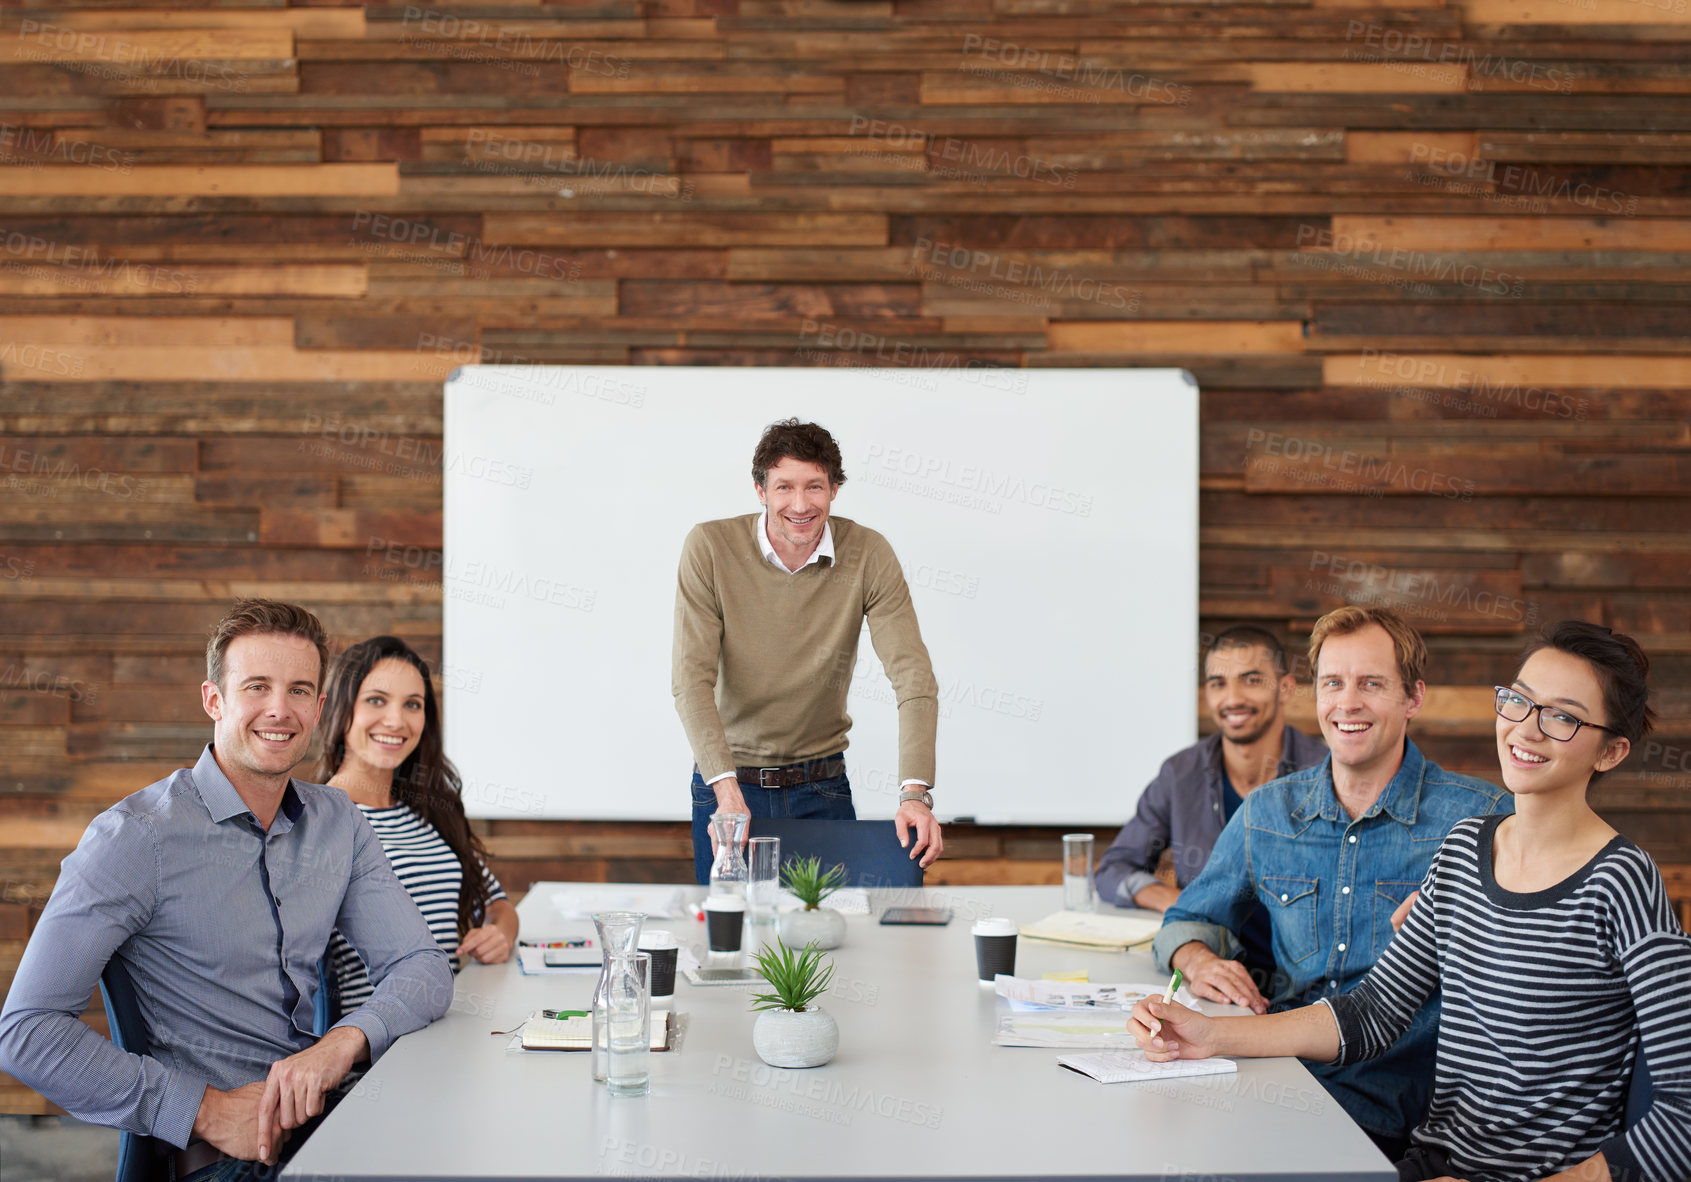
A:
(728, 870)
(628, 1024)
(619, 933)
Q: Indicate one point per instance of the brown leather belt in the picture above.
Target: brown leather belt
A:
(791, 775)
(197, 1156)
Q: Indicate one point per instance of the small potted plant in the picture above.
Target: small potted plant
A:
(812, 924)
(792, 1031)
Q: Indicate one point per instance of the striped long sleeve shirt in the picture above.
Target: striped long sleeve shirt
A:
(1548, 998)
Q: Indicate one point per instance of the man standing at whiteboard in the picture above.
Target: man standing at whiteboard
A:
(769, 608)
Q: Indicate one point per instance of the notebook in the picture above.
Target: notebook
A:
(1113, 1067)
(576, 1034)
(1093, 929)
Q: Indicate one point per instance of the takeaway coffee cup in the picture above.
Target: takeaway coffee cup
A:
(663, 948)
(725, 919)
(995, 948)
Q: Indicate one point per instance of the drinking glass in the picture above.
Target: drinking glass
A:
(629, 1024)
(764, 884)
(1078, 894)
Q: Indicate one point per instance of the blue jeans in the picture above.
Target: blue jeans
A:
(233, 1170)
(828, 800)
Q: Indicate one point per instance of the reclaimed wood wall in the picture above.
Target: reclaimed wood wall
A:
(1427, 260)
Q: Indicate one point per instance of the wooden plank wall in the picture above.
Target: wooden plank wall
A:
(1428, 261)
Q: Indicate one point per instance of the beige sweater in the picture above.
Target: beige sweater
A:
(763, 659)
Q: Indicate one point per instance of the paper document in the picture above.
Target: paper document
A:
(654, 902)
(1093, 929)
(1113, 1067)
(1055, 1028)
(1026, 994)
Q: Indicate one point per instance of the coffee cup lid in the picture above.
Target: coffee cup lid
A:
(724, 903)
(658, 940)
(997, 926)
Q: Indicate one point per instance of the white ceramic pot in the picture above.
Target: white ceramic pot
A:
(825, 926)
(796, 1038)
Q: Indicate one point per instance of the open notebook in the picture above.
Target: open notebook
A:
(576, 1034)
(1133, 1067)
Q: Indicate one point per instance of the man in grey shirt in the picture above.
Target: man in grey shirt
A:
(216, 890)
(1246, 687)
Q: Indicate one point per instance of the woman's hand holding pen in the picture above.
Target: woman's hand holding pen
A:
(1168, 1030)
(487, 944)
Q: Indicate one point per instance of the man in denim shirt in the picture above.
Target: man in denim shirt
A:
(1332, 853)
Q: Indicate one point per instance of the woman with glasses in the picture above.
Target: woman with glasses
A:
(1555, 946)
(382, 747)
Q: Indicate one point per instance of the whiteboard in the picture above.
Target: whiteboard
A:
(1046, 521)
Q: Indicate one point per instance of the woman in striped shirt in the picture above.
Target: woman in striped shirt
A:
(382, 748)
(1552, 938)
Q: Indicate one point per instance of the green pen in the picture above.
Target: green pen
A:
(1173, 984)
(566, 1013)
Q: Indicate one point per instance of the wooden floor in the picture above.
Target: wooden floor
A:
(1428, 261)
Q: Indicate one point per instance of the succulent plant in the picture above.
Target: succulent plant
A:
(809, 883)
(795, 978)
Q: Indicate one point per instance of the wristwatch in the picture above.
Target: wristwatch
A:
(919, 795)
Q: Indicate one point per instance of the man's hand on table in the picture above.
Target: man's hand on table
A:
(1158, 896)
(915, 819)
(1215, 978)
(293, 1093)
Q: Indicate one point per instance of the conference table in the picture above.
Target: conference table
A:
(917, 1090)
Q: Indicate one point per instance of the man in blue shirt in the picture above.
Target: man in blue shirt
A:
(1331, 853)
(216, 890)
(1197, 791)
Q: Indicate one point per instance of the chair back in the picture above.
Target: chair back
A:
(140, 1158)
(869, 850)
(1639, 1092)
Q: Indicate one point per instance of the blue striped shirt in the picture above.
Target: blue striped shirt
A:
(220, 926)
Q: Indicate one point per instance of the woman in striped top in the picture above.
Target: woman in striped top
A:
(1552, 938)
(382, 748)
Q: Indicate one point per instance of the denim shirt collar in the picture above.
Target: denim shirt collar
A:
(1401, 798)
(222, 801)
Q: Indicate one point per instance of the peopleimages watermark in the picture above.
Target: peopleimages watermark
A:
(538, 162)
(823, 1097)
(1382, 367)
(1519, 182)
(42, 681)
(1319, 462)
(477, 582)
(913, 364)
(404, 455)
(976, 479)
(504, 44)
(469, 249)
(1414, 52)
(155, 65)
(1417, 263)
(1413, 593)
(960, 266)
(1082, 80)
(15, 460)
(961, 156)
(29, 146)
(534, 381)
(82, 267)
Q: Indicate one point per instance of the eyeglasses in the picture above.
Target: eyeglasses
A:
(1556, 723)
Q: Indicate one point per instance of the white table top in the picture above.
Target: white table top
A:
(916, 1091)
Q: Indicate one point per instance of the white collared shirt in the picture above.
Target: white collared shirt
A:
(824, 548)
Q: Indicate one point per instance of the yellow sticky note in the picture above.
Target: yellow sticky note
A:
(1078, 975)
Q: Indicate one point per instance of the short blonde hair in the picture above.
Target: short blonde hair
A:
(1407, 644)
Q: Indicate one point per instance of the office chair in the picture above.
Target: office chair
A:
(1639, 1092)
(141, 1158)
(869, 850)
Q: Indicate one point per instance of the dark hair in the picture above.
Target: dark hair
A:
(426, 782)
(1622, 670)
(790, 439)
(1250, 636)
(253, 617)
(1407, 645)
